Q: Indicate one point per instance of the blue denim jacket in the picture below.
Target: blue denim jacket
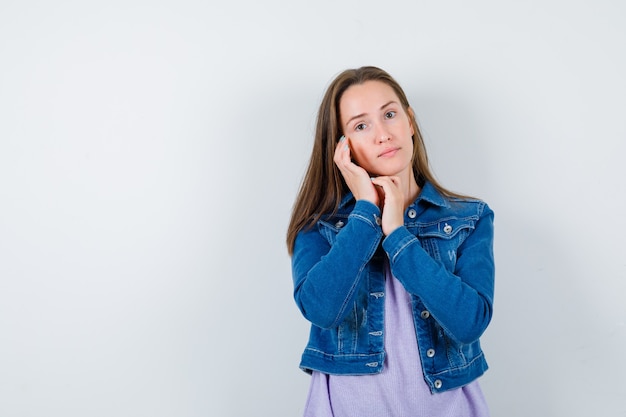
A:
(443, 256)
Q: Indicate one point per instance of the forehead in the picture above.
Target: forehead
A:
(366, 97)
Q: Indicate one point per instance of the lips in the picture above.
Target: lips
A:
(388, 153)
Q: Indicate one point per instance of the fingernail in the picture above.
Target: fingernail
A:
(342, 138)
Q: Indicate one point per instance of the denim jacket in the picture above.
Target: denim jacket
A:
(443, 256)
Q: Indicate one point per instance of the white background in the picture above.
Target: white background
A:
(150, 152)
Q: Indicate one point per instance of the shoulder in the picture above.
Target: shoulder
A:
(442, 207)
(441, 203)
(469, 205)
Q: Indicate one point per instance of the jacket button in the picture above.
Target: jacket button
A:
(412, 213)
(378, 221)
(339, 224)
(425, 314)
(430, 353)
(438, 384)
(447, 229)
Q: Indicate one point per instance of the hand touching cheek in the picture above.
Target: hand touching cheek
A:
(357, 179)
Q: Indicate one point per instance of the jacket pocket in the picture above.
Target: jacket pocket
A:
(441, 239)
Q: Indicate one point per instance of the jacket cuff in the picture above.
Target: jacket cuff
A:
(399, 239)
(368, 212)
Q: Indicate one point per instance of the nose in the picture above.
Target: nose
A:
(382, 135)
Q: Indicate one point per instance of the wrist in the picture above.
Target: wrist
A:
(387, 230)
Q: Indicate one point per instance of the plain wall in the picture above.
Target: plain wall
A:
(150, 152)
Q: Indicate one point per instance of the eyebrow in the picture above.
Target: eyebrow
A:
(363, 114)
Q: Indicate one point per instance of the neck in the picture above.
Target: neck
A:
(411, 190)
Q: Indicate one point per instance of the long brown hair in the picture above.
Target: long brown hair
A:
(323, 185)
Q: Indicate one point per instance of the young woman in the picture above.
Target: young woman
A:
(394, 272)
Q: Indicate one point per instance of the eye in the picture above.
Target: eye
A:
(390, 114)
(360, 126)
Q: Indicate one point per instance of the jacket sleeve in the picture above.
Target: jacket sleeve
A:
(461, 301)
(326, 277)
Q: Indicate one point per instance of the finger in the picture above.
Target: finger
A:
(391, 188)
(342, 151)
(382, 181)
(391, 182)
(344, 160)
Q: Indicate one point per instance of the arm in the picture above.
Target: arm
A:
(461, 300)
(326, 278)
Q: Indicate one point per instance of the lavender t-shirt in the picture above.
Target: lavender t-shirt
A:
(399, 390)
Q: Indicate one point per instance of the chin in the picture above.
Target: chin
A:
(384, 172)
(387, 172)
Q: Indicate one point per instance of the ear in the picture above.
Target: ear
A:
(411, 118)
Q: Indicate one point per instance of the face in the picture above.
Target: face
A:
(378, 127)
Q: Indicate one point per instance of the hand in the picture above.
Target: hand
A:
(392, 202)
(357, 179)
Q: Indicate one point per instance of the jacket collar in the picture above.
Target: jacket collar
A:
(430, 195)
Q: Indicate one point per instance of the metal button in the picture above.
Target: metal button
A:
(339, 224)
(447, 229)
(378, 221)
(430, 353)
(438, 384)
(412, 213)
(425, 314)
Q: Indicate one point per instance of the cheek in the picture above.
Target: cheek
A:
(357, 154)
(361, 158)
